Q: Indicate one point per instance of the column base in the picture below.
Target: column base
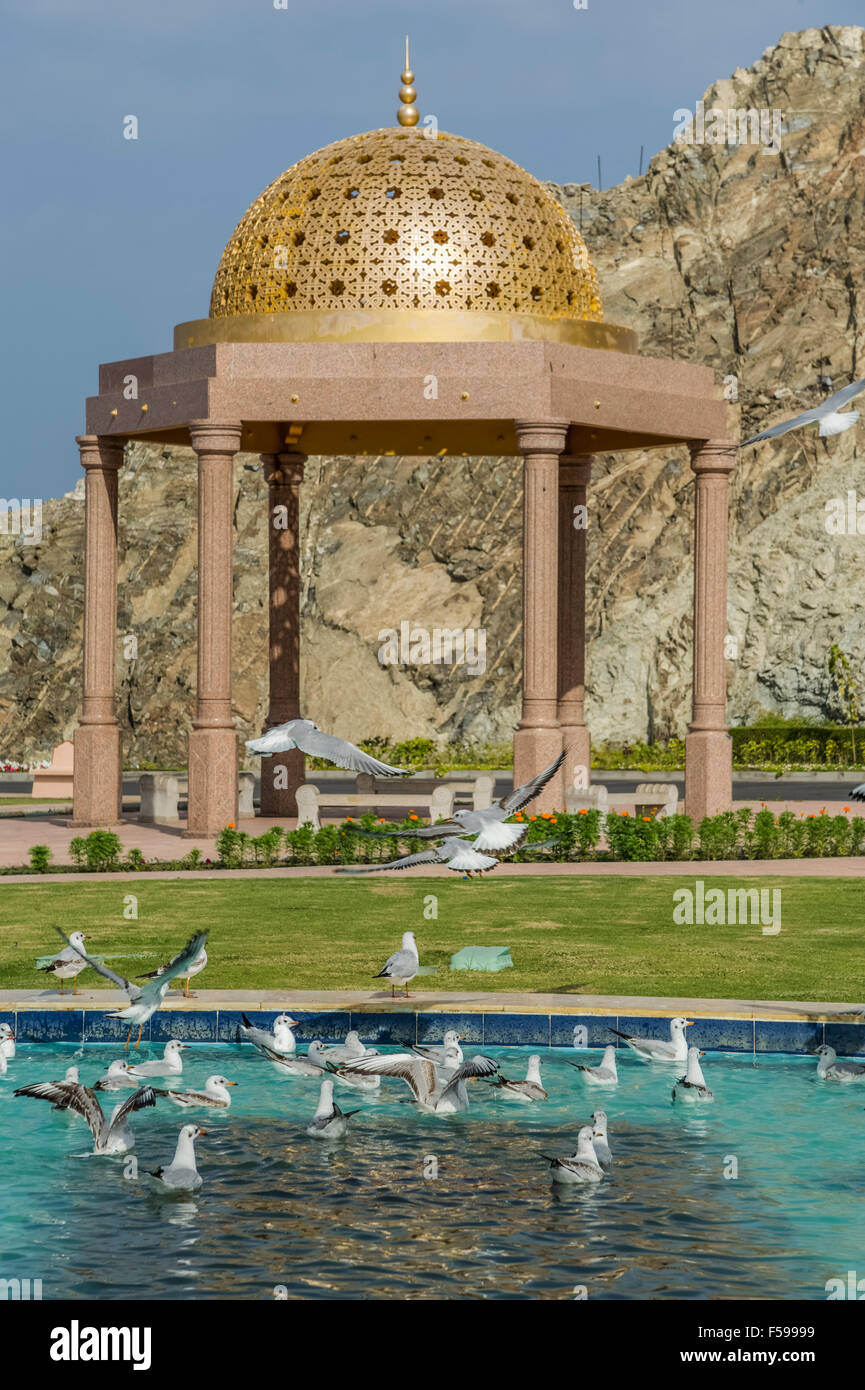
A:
(577, 745)
(212, 781)
(535, 749)
(96, 772)
(708, 773)
(281, 775)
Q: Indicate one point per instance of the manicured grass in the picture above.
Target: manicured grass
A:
(593, 935)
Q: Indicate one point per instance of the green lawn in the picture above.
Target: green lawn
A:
(594, 935)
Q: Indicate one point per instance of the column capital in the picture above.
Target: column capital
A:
(713, 455)
(215, 437)
(541, 436)
(99, 451)
(575, 470)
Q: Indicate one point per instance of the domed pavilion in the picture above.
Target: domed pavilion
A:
(401, 292)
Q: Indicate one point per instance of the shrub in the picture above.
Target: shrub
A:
(191, 860)
(101, 850)
(302, 844)
(231, 846)
(76, 850)
(135, 860)
(40, 858)
(265, 848)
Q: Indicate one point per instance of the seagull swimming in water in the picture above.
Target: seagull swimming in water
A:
(215, 1094)
(692, 1086)
(492, 834)
(402, 966)
(655, 1050)
(313, 1064)
(582, 1166)
(309, 738)
(600, 1142)
(830, 1069)
(604, 1074)
(831, 422)
(523, 1091)
(437, 1090)
(437, 1051)
(118, 1077)
(70, 962)
(281, 1039)
(7, 1042)
(144, 1001)
(181, 1175)
(110, 1136)
(329, 1122)
(169, 1064)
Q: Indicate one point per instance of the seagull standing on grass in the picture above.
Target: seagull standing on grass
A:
(437, 1090)
(281, 1040)
(604, 1074)
(402, 966)
(215, 1095)
(143, 1002)
(582, 1166)
(328, 1122)
(194, 968)
(308, 737)
(181, 1175)
(71, 960)
(524, 1091)
(110, 1136)
(488, 826)
(7, 1042)
(831, 422)
(830, 1069)
(692, 1086)
(654, 1050)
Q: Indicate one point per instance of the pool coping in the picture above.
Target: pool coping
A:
(494, 1019)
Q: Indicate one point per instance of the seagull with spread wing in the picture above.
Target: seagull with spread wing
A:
(309, 738)
(110, 1136)
(827, 412)
(145, 1000)
(492, 835)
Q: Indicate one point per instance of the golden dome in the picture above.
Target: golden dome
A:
(405, 234)
(395, 220)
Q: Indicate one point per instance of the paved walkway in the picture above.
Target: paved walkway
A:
(442, 1001)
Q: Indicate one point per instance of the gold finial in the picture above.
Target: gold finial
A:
(408, 113)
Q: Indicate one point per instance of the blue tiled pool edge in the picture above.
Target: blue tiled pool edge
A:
(495, 1028)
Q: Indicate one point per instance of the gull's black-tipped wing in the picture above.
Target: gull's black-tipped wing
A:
(808, 417)
(144, 1096)
(158, 985)
(521, 796)
(426, 856)
(132, 990)
(69, 1095)
(343, 754)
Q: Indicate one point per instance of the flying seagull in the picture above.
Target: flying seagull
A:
(195, 967)
(145, 1000)
(70, 962)
(110, 1136)
(402, 966)
(438, 1091)
(309, 738)
(654, 1050)
(831, 422)
(488, 826)
(458, 855)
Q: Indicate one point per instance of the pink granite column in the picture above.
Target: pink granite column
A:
(708, 747)
(97, 767)
(538, 739)
(213, 742)
(574, 473)
(282, 774)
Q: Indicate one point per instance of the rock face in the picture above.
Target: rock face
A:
(732, 255)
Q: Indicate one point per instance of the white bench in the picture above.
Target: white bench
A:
(662, 798)
(437, 798)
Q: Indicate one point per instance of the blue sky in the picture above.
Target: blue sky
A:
(107, 243)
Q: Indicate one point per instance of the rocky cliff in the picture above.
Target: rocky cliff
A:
(744, 257)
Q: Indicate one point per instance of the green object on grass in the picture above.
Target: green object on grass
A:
(483, 958)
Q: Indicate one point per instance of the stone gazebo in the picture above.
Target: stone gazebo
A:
(401, 292)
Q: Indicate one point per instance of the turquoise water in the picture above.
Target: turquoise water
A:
(358, 1218)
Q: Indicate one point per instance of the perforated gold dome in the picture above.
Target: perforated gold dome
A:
(396, 220)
